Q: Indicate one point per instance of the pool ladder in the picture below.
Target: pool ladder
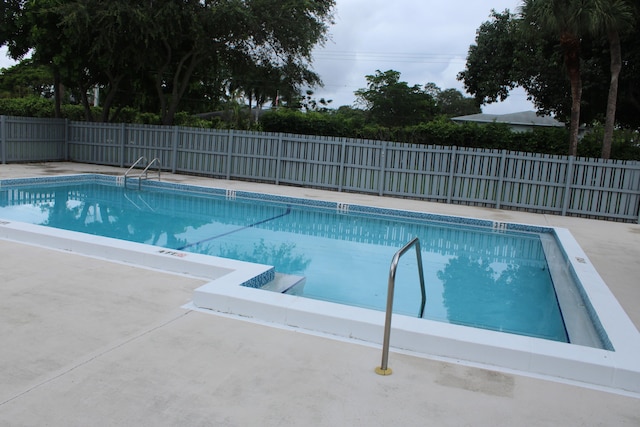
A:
(383, 369)
(144, 174)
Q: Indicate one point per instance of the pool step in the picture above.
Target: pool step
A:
(284, 282)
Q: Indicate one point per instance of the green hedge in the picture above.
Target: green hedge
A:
(43, 107)
(442, 131)
(310, 123)
(625, 146)
(26, 107)
(350, 124)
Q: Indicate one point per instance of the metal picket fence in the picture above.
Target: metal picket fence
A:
(564, 185)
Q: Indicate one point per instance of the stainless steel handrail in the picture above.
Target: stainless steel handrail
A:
(140, 159)
(383, 369)
(142, 175)
(144, 172)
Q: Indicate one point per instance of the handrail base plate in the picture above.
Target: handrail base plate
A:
(381, 371)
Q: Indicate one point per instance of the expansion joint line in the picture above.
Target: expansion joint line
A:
(96, 356)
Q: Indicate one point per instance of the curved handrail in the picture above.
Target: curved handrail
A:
(140, 159)
(383, 368)
(155, 160)
(124, 178)
(142, 175)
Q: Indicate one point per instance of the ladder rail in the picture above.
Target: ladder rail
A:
(140, 159)
(145, 172)
(383, 369)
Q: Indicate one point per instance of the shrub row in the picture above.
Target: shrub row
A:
(43, 107)
(442, 131)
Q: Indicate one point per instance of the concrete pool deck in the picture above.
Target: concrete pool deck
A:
(91, 342)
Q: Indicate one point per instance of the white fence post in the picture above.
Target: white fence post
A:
(122, 144)
(567, 186)
(66, 139)
(278, 158)
(3, 138)
(174, 148)
(229, 153)
(501, 171)
(452, 167)
(383, 162)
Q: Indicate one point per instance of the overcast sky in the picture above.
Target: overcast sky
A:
(426, 41)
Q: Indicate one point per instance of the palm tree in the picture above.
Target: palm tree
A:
(611, 17)
(565, 20)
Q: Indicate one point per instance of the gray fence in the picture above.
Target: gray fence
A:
(594, 188)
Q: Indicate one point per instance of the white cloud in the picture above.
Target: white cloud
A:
(5, 61)
(425, 41)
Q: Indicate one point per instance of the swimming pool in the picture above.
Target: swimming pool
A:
(476, 276)
(225, 295)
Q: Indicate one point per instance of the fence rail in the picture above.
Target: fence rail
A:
(594, 188)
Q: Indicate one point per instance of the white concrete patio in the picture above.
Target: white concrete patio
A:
(86, 341)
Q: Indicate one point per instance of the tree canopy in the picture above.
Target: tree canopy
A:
(390, 102)
(560, 52)
(25, 80)
(154, 55)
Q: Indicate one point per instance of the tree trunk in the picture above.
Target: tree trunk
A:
(181, 78)
(571, 47)
(574, 127)
(88, 115)
(114, 85)
(57, 94)
(159, 83)
(612, 99)
(162, 98)
(250, 108)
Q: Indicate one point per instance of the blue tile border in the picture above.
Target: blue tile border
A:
(352, 208)
(261, 279)
(318, 204)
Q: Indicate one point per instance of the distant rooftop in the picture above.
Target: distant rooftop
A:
(523, 118)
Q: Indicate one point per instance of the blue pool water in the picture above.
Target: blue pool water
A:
(475, 276)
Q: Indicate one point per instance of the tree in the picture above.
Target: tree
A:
(508, 53)
(309, 103)
(35, 28)
(24, 80)
(611, 17)
(170, 47)
(10, 31)
(265, 82)
(628, 112)
(452, 103)
(566, 20)
(504, 57)
(279, 35)
(393, 103)
(110, 38)
(491, 61)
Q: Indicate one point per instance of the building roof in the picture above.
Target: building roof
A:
(523, 118)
